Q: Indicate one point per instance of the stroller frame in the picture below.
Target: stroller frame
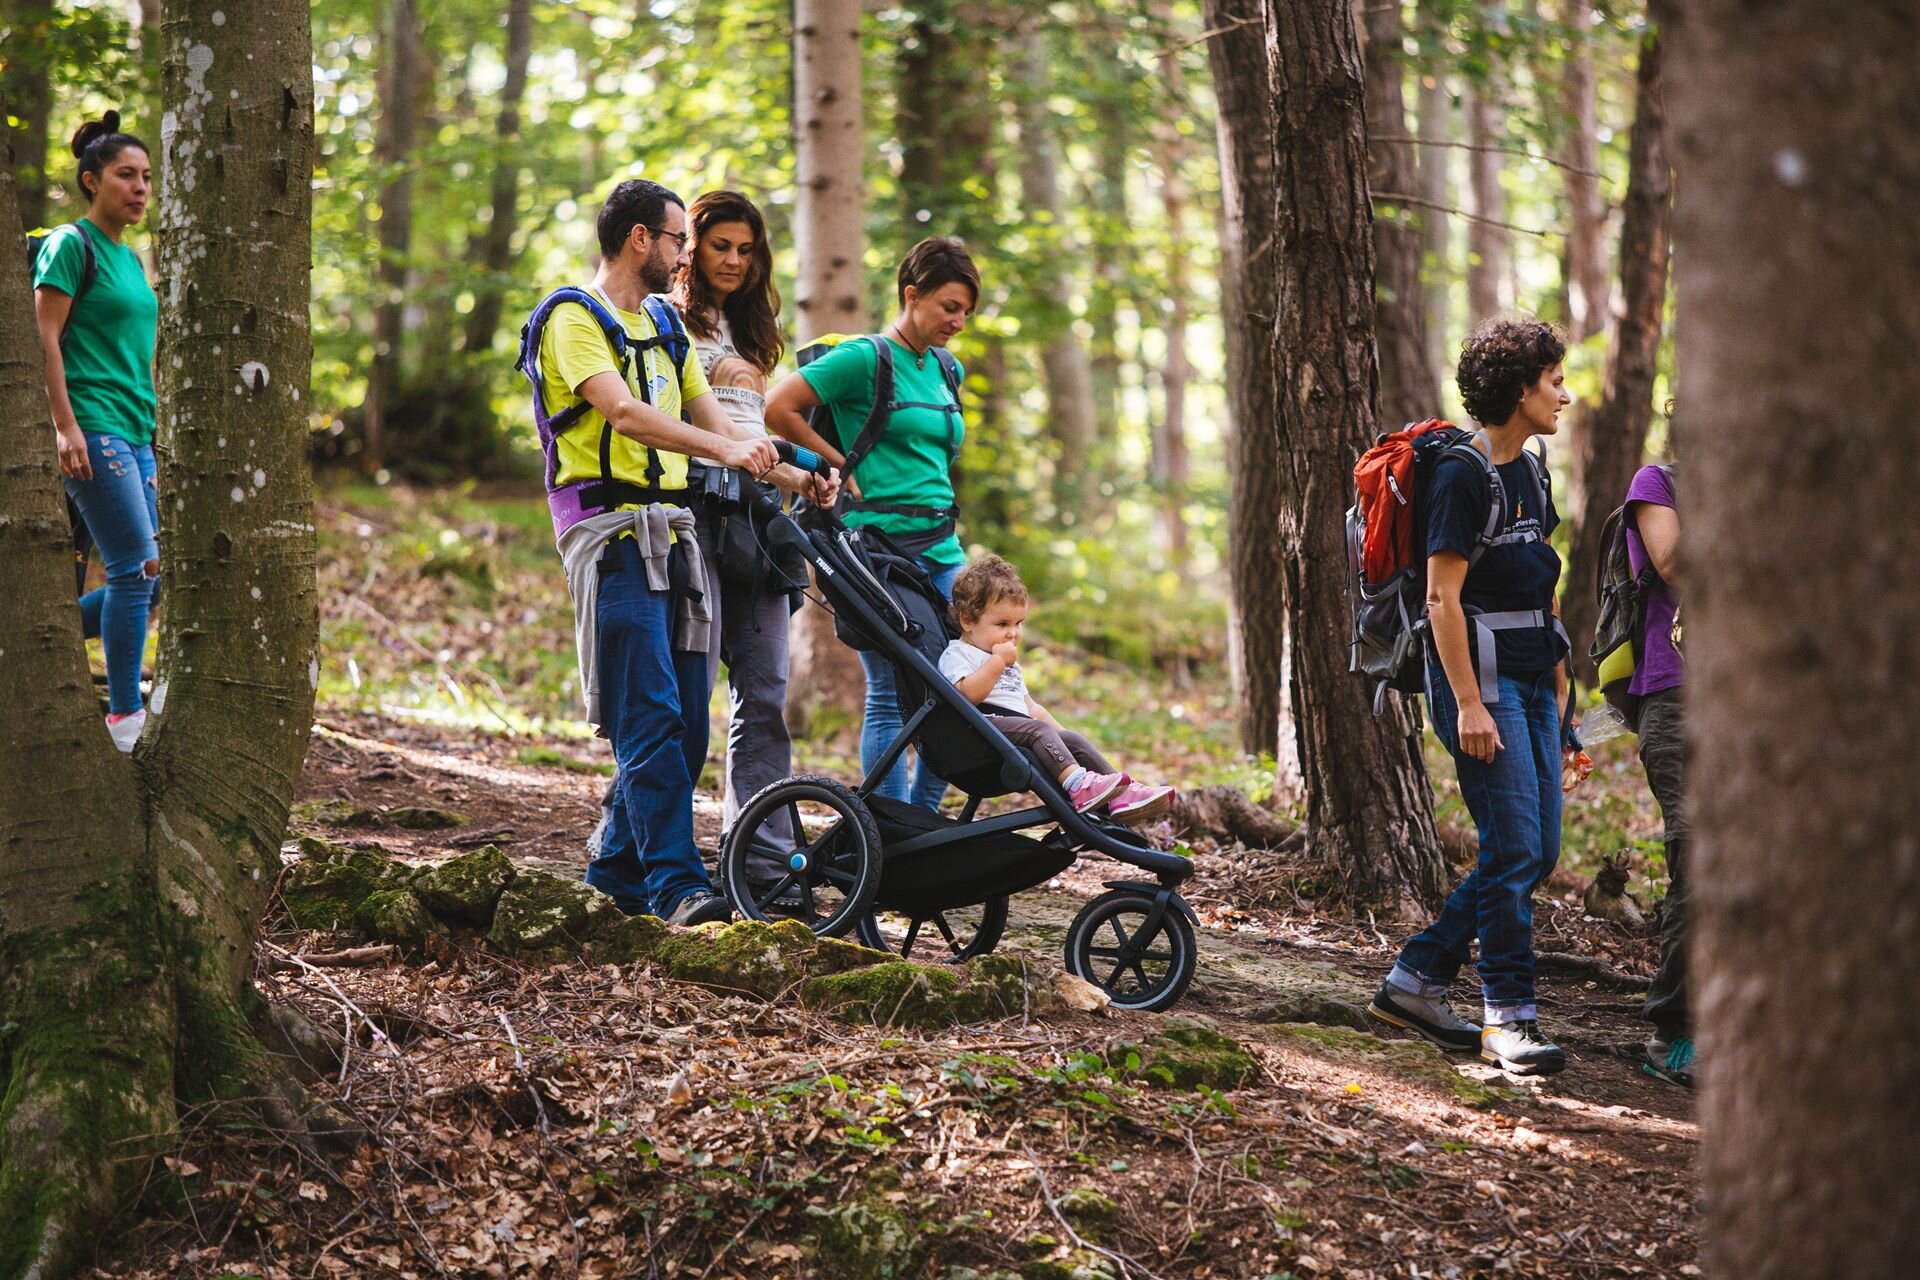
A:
(1136, 942)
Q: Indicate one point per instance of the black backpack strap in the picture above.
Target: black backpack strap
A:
(876, 423)
(1496, 494)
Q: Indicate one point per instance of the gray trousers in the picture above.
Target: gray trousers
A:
(1061, 749)
(1663, 752)
(750, 636)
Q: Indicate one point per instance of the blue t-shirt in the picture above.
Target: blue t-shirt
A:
(1509, 577)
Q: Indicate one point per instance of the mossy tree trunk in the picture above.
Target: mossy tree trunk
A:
(1369, 805)
(131, 887)
(1795, 135)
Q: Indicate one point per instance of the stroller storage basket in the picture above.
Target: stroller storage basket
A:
(968, 869)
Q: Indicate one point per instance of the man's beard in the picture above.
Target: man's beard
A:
(656, 276)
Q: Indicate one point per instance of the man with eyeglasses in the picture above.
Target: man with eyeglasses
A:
(620, 408)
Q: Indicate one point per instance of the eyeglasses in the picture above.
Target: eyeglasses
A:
(679, 237)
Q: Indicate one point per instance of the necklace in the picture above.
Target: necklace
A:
(919, 356)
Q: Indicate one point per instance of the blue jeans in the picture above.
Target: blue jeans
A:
(883, 719)
(654, 702)
(1515, 803)
(122, 509)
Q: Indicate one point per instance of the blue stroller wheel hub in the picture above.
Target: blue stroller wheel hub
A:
(798, 862)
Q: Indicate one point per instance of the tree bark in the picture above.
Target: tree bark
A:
(1795, 135)
(1368, 803)
(1587, 283)
(400, 69)
(830, 238)
(28, 88)
(1170, 464)
(1436, 188)
(1489, 246)
(1065, 365)
(1257, 615)
(131, 887)
(1112, 269)
(1610, 449)
(496, 248)
(1407, 389)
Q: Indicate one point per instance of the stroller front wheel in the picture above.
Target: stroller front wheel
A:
(805, 848)
(1110, 945)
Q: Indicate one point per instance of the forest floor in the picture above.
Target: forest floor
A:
(601, 1121)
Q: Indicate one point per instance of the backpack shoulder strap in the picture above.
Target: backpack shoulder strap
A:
(529, 358)
(669, 331)
(1496, 492)
(950, 373)
(1542, 479)
(876, 423)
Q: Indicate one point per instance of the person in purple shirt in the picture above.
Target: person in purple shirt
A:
(1653, 536)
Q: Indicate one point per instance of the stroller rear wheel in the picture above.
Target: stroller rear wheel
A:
(1111, 946)
(953, 934)
(805, 848)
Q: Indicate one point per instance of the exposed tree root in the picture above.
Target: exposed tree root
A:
(1227, 813)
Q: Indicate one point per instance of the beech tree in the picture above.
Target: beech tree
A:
(830, 237)
(1369, 805)
(1608, 450)
(401, 75)
(1257, 619)
(1801, 172)
(131, 887)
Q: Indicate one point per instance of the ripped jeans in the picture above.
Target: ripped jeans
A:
(122, 509)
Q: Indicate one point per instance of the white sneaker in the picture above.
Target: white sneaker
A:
(126, 730)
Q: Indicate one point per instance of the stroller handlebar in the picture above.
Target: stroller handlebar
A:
(804, 459)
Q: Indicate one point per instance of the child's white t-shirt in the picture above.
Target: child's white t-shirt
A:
(1009, 693)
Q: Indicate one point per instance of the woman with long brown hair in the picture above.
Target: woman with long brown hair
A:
(731, 306)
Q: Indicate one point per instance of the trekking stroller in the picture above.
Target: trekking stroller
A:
(843, 859)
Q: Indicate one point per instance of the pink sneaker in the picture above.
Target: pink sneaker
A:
(1142, 804)
(1093, 789)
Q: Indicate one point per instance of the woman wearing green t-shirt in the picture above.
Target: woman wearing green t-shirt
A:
(98, 316)
(901, 485)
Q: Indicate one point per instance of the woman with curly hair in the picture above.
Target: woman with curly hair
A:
(1496, 687)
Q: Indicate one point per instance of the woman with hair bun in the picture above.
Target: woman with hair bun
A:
(98, 319)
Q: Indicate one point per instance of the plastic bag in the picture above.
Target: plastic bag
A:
(1600, 724)
(1575, 766)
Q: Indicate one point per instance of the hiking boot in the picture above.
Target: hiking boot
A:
(1136, 804)
(1670, 1060)
(1094, 789)
(1430, 1018)
(1520, 1048)
(702, 906)
(125, 730)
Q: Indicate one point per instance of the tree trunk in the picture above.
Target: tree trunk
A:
(1587, 284)
(1609, 451)
(1256, 638)
(1170, 470)
(1067, 370)
(830, 239)
(1797, 314)
(28, 88)
(400, 67)
(1407, 389)
(496, 249)
(1112, 269)
(1369, 806)
(1436, 188)
(131, 887)
(1489, 285)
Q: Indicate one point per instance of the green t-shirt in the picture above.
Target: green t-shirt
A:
(108, 349)
(909, 464)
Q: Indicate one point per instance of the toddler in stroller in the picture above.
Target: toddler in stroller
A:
(990, 604)
(884, 869)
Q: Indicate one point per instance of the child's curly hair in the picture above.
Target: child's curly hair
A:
(1500, 360)
(983, 582)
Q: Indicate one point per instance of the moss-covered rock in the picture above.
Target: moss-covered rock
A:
(1090, 1212)
(1187, 1053)
(396, 915)
(335, 813)
(754, 957)
(1411, 1059)
(627, 939)
(867, 1240)
(1078, 1264)
(337, 887)
(544, 916)
(900, 993)
(420, 818)
(1308, 1006)
(466, 889)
